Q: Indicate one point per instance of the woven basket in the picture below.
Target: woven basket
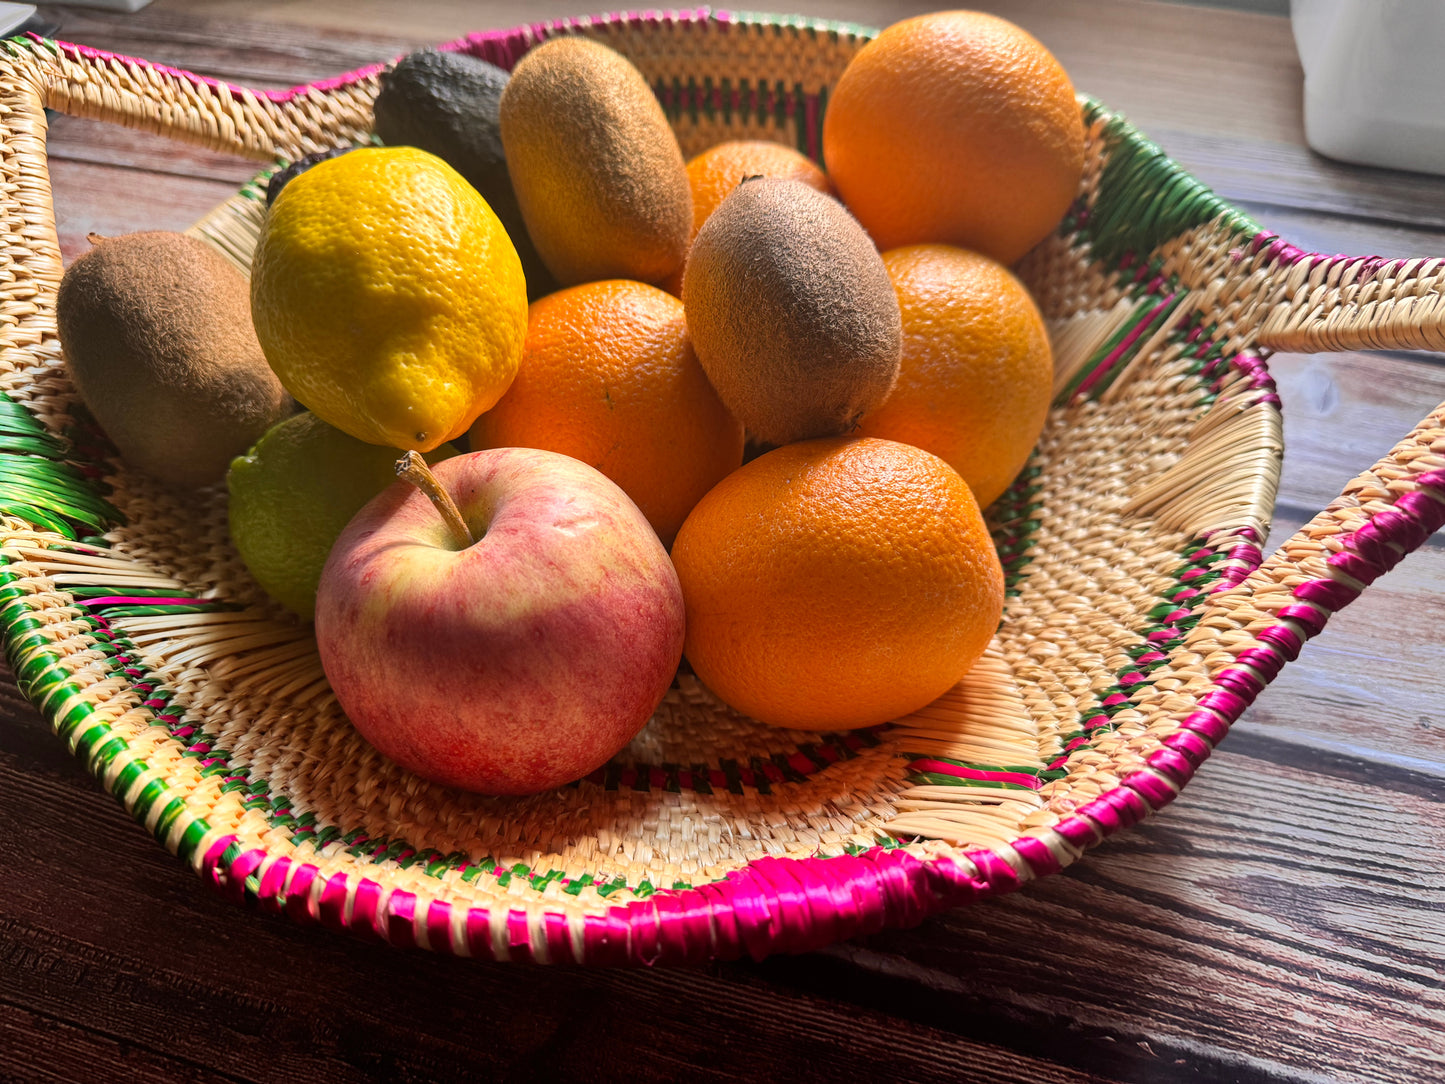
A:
(1139, 622)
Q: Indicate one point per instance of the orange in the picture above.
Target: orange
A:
(608, 376)
(837, 583)
(977, 374)
(714, 173)
(956, 127)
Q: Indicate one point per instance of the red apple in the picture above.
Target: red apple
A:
(513, 663)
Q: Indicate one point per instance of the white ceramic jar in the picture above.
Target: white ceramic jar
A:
(1374, 80)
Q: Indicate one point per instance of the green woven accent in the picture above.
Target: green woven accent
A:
(23, 434)
(806, 23)
(82, 591)
(822, 112)
(1208, 361)
(38, 485)
(200, 606)
(1047, 775)
(1152, 312)
(887, 843)
(15, 46)
(100, 744)
(1144, 199)
(45, 682)
(1014, 525)
(1188, 590)
(939, 779)
(255, 189)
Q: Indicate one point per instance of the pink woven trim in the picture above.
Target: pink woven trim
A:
(1432, 479)
(505, 47)
(1368, 552)
(792, 905)
(1285, 254)
(1104, 366)
(217, 86)
(772, 905)
(797, 905)
(1241, 559)
(138, 600)
(1256, 372)
(295, 901)
(1036, 853)
(941, 767)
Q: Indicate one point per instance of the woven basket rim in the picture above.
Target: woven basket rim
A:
(715, 18)
(773, 904)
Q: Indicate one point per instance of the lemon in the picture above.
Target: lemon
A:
(388, 297)
(291, 495)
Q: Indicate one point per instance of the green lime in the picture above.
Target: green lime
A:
(291, 495)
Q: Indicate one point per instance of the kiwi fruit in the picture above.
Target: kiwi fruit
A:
(447, 104)
(156, 331)
(791, 312)
(597, 170)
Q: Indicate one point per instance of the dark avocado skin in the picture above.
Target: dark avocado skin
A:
(446, 103)
(282, 178)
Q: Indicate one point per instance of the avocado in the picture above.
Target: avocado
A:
(282, 177)
(446, 103)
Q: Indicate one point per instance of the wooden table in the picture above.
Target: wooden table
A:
(1283, 921)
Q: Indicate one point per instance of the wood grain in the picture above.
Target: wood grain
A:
(92, 142)
(1219, 89)
(239, 46)
(1367, 688)
(113, 199)
(1345, 411)
(41, 1047)
(1283, 921)
(1196, 931)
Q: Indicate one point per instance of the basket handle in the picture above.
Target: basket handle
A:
(86, 82)
(1330, 303)
(1384, 514)
(1354, 303)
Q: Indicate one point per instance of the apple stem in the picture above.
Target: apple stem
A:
(412, 468)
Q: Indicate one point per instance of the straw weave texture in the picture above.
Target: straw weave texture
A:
(1129, 545)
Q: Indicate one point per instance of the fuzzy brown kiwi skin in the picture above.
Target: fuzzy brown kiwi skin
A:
(597, 169)
(157, 335)
(791, 312)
